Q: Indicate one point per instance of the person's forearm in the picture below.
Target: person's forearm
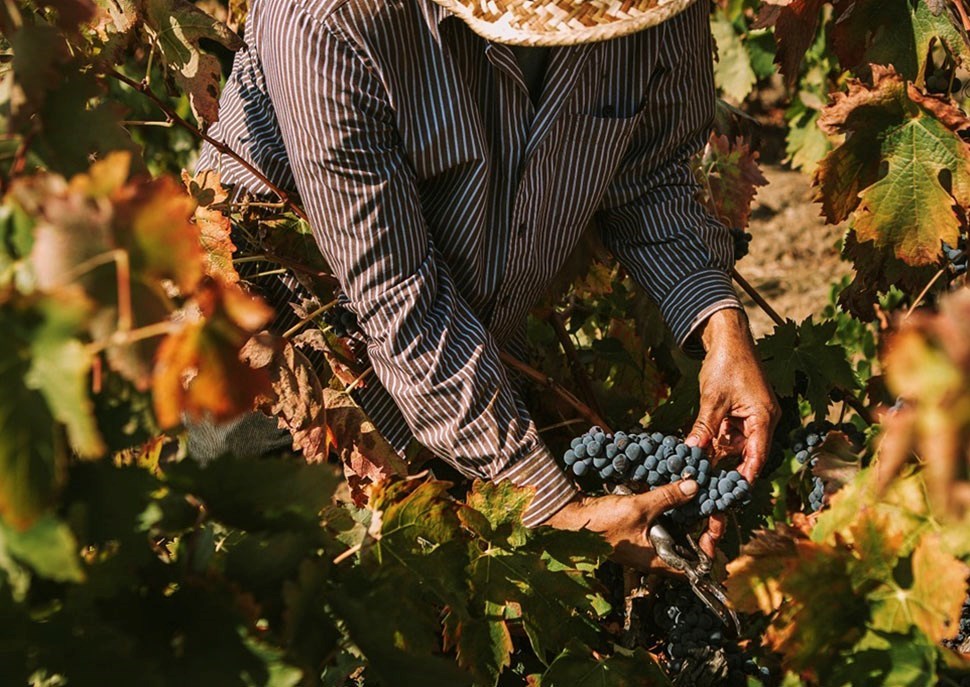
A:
(727, 327)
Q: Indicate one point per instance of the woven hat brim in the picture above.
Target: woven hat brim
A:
(502, 29)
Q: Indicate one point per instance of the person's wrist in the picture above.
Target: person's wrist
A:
(727, 327)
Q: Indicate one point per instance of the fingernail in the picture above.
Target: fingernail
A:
(691, 440)
(688, 487)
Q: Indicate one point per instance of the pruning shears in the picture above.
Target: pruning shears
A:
(696, 566)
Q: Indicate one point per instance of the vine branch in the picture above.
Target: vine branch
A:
(591, 415)
(172, 116)
(579, 372)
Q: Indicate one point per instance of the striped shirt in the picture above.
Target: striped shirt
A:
(444, 200)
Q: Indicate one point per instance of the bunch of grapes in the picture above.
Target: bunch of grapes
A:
(806, 442)
(647, 461)
(956, 256)
(340, 320)
(742, 242)
(957, 643)
(694, 637)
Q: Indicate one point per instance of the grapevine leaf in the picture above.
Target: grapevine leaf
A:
(909, 205)
(483, 645)
(178, 26)
(502, 505)
(732, 71)
(928, 363)
(296, 399)
(60, 370)
(215, 229)
(901, 511)
(48, 547)
(367, 457)
(730, 177)
(255, 493)
(934, 600)
(308, 628)
(578, 666)
(32, 450)
(37, 51)
(795, 23)
(882, 658)
(801, 359)
(899, 34)
(198, 371)
(153, 221)
(71, 14)
(753, 577)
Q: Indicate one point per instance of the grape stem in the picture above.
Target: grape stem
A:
(591, 415)
(579, 372)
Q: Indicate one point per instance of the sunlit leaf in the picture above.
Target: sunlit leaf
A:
(48, 547)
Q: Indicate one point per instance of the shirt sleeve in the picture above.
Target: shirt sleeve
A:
(429, 350)
(652, 219)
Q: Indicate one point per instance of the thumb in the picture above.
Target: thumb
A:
(705, 427)
(660, 500)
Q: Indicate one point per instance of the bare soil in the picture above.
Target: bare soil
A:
(794, 256)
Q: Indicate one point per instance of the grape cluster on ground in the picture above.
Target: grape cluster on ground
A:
(643, 461)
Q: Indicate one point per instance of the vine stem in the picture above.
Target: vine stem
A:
(143, 88)
(308, 319)
(757, 298)
(922, 294)
(579, 372)
(125, 338)
(591, 415)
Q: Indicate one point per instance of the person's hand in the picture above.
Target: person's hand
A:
(738, 409)
(624, 521)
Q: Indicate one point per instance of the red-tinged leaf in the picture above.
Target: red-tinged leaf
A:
(754, 576)
(501, 507)
(795, 23)
(730, 176)
(901, 34)
(178, 26)
(153, 222)
(296, 400)
(215, 229)
(199, 372)
(928, 363)
(889, 171)
(367, 457)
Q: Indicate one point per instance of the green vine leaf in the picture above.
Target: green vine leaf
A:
(800, 359)
(909, 205)
(579, 666)
(48, 547)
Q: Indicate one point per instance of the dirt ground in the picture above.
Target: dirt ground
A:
(794, 255)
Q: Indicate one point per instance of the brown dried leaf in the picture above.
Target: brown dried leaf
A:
(198, 372)
(296, 397)
(730, 176)
(215, 229)
(366, 455)
(795, 23)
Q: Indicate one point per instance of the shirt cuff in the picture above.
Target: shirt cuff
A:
(696, 298)
(553, 489)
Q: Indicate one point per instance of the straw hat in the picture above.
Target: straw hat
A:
(561, 22)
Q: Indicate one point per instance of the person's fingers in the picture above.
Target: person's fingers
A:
(712, 535)
(757, 430)
(730, 439)
(706, 426)
(660, 500)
